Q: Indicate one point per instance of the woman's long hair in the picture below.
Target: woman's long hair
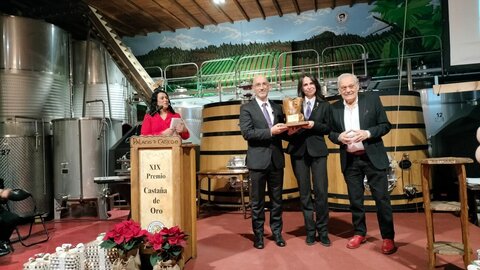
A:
(318, 89)
(154, 108)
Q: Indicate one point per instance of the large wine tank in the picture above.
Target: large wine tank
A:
(81, 144)
(106, 89)
(80, 149)
(33, 89)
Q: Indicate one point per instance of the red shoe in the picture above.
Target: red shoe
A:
(356, 241)
(388, 246)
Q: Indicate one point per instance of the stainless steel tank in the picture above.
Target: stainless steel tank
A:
(440, 109)
(80, 153)
(33, 69)
(103, 74)
(34, 88)
(24, 160)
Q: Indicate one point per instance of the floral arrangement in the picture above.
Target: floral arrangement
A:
(125, 236)
(168, 244)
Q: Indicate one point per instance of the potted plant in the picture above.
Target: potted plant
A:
(167, 245)
(126, 238)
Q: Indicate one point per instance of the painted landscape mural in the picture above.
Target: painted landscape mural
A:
(365, 39)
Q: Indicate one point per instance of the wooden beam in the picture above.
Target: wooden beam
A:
(259, 6)
(197, 22)
(127, 29)
(219, 8)
(277, 8)
(212, 21)
(297, 8)
(170, 14)
(456, 87)
(241, 10)
(153, 17)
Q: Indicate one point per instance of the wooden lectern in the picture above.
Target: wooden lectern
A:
(163, 187)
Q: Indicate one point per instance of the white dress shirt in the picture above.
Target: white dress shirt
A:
(351, 119)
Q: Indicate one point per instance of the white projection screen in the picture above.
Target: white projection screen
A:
(463, 32)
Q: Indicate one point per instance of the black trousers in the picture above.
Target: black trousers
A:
(271, 178)
(357, 168)
(311, 173)
(8, 222)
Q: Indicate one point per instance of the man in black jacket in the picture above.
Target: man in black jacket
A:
(358, 124)
(261, 124)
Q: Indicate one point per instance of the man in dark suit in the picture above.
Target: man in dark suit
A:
(308, 153)
(358, 124)
(261, 123)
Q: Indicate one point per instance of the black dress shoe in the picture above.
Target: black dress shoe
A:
(310, 240)
(4, 248)
(279, 240)
(258, 242)
(324, 240)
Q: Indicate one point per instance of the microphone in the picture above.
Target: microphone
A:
(158, 109)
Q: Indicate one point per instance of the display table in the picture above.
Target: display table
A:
(240, 174)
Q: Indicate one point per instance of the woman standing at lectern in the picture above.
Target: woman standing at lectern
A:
(159, 117)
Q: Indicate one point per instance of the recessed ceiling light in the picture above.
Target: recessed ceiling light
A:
(219, 2)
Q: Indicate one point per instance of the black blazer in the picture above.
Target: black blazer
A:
(263, 148)
(312, 141)
(372, 118)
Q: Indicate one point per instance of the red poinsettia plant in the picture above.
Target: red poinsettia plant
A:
(124, 236)
(168, 244)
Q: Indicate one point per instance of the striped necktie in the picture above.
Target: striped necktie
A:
(308, 111)
(266, 114)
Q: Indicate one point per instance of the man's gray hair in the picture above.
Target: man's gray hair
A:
(345, 75)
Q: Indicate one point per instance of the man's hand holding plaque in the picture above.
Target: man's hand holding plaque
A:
(292, 107)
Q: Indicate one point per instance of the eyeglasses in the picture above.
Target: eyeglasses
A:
(260, 84)
(345, 87)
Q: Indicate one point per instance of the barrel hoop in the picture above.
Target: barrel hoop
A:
(225, 152)
(391, 149)
(370, 198)
(403, 108)
(237, 193)
(409, 126)
(222, 117)
(372, 208)
(223, 103)
(383, 93)
(223, 133)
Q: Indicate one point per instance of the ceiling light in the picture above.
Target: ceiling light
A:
(219, 2)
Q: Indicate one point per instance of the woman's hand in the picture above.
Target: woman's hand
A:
(168, 132)
(309, 126)
(180, 128)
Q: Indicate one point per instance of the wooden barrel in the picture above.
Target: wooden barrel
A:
(407, 137)
(221, 140)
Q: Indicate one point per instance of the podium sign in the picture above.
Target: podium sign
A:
(156, 189)
(163, 187)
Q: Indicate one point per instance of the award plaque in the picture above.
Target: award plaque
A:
(292, 107)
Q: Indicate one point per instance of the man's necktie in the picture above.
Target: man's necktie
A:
(308, 111)
(267, 115)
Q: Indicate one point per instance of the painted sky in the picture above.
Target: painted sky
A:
(290, 27)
